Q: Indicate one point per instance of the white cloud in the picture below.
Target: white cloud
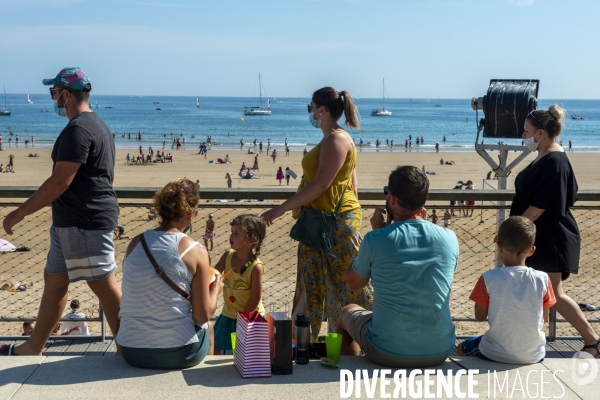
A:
(521, 3)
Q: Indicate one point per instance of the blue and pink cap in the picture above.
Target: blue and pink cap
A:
(72, 78)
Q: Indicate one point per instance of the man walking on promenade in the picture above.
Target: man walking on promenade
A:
(84, 211)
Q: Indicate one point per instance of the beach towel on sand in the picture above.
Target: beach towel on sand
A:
(7, 246)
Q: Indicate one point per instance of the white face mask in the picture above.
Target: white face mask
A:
(314, 122)
(62, 111)
(531, 144)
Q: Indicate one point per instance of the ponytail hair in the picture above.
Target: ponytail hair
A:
(550, 120)
(338, 103)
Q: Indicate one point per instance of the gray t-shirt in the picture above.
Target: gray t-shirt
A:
(516, 297)
(90, 201)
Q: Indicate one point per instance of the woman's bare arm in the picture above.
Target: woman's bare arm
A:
(333, 154)
(204, 295)
(533, 213)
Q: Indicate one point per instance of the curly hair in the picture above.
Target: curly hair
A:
(177, 198)
(256, 229)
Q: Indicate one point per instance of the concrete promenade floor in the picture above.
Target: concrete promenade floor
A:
(90, 370)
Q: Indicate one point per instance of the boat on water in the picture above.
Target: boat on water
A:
(97, 105)
(156, 102)
(258, 110)
(575, 116)
(29, 99)
(158, 108)
(198, 102)
(381, 112)
(5, 112)
(438, 105)
(109, 107)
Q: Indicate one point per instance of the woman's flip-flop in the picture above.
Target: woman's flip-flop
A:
(594, 346)
(6, 349)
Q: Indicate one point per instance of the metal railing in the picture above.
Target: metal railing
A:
(475, 233)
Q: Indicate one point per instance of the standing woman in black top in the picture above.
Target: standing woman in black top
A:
(545, 190)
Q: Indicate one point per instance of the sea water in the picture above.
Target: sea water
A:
(222, 118)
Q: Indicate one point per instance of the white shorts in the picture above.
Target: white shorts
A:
(208, 235)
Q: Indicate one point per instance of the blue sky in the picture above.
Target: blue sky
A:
(424, 48)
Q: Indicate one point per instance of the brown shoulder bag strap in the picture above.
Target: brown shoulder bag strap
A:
(160, 272)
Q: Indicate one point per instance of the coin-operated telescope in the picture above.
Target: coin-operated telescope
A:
(506, 106)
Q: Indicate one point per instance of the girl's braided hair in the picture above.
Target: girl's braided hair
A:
(256, 229)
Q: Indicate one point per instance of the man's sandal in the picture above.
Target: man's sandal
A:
(6, 349)
(593, 346)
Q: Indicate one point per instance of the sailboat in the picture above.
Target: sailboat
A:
(97, 105)
(381, 112)
(5, 112)
(258, 110)
(198, 102)
(29, 99)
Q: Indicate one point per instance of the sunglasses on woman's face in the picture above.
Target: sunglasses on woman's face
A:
(310, 107)
(532, 115)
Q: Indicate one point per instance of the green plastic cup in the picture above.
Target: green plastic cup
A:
(333, 344)
(233, 337)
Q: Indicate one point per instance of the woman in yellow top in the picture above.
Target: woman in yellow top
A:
(328, 169)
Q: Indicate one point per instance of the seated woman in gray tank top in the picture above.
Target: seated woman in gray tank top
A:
(161, 326)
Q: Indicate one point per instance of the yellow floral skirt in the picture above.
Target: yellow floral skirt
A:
(324, 278)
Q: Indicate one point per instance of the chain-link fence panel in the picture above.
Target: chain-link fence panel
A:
(475, 228)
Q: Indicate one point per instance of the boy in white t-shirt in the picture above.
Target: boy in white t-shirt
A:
(75, 327)
(516, 300)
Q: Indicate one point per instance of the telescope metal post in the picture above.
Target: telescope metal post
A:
(503, 170)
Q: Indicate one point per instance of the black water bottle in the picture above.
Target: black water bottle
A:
(302, 328)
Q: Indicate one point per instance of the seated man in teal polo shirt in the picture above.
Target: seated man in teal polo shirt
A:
(410, 263)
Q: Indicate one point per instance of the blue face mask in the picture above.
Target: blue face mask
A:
(314, 122)
(62, 111)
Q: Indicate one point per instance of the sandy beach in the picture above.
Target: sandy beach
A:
(372, 168)
(279, 251)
